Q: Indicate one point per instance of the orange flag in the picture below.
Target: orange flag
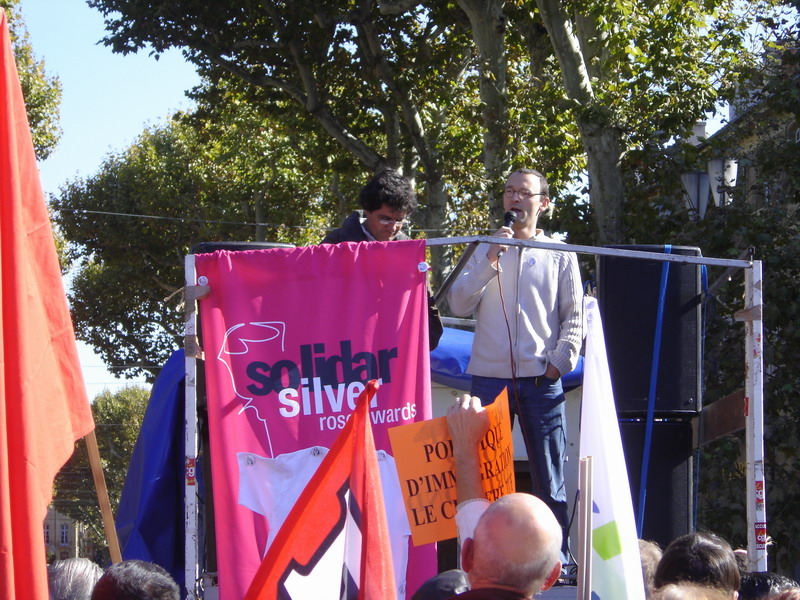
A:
(335, 541)
(43, 403)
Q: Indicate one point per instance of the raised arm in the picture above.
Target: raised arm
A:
(468, 424)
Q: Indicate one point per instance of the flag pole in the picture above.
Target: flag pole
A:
(102, 497)
(585, 530)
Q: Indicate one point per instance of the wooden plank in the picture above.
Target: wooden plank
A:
(102, 497)
(721, 418)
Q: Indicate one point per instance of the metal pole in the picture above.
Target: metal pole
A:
(595, 250)
(191, 565)
(754, 416)
(455, 272)
(586, 496)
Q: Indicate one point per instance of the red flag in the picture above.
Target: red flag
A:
(43, 403)
(335, 541)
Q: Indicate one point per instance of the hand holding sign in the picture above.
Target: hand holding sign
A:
(429, 463)
(467, 420)
(469, 425)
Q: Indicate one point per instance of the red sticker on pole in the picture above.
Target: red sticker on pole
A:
(761, 535)
(191, 471)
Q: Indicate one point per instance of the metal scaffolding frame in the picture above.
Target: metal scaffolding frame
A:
(751, 314)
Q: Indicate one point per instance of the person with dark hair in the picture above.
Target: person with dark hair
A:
(443, 586)
(702, 558)
(528, 306)
(72, 578)
(792, 594)
(760, 585)
(386, 201)
(136, 580)
(742, 561)
(649, 554)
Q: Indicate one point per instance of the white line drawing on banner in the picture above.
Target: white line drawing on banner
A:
(269, 331)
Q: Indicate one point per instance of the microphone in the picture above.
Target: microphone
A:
(509, 218)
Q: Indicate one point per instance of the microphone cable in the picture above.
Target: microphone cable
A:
(512, 363)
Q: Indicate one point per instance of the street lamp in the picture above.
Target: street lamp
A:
(722, 173)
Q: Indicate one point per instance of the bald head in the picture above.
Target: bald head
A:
(516, 546)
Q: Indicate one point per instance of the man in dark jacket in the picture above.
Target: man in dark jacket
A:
(387, 201)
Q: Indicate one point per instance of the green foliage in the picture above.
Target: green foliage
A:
(763, 216)
(42, 93)
(672, 62)
(405, 85)
(231, 177)
(118, 418)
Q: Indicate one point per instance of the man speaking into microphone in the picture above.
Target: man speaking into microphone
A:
(528, 307)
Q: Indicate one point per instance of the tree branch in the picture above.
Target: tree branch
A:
(372, 50)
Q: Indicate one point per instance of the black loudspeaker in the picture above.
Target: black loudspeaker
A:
(669, 498)
(628, 295)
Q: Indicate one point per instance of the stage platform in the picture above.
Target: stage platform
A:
(562, 592)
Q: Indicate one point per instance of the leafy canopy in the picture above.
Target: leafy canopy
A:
(42, 92)
(118, 417)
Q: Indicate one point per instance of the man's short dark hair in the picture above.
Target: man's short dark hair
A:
(136, 580)
(761, 584)
(388, 187)
(544, 187)
(443, 586)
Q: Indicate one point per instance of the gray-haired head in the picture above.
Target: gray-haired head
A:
(72, 578)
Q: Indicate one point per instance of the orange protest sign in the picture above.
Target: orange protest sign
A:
(423, 453)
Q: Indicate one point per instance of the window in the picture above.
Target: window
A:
(47, 533)
(64, 534)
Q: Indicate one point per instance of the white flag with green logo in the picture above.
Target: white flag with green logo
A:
(616, 567)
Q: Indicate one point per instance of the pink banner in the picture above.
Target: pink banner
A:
(291, 336)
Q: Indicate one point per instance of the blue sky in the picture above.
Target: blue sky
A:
(107, 101)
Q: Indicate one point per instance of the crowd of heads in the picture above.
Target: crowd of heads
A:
(82, 579)
(697, 566)
(703, 566)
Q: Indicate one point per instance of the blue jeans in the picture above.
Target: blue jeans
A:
(539, 404)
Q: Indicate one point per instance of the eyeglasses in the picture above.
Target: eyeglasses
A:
(523, 194)
(395, 222)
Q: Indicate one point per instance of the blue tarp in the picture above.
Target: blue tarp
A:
(150, 519)
(450, 359)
